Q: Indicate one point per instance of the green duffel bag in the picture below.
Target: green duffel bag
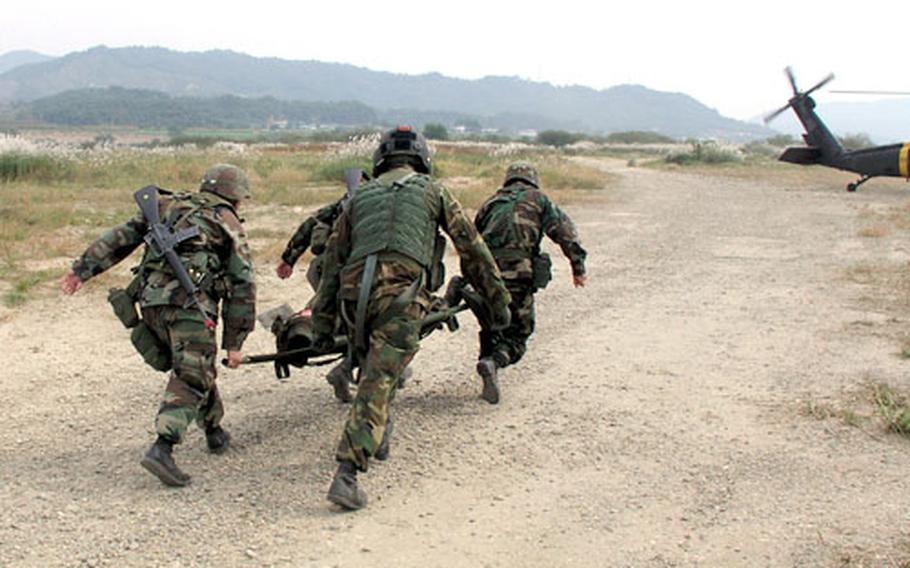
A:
(541, 269)
(152, 349)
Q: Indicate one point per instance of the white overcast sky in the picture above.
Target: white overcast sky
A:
(728, 55)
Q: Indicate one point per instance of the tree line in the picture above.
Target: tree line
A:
(117, 106)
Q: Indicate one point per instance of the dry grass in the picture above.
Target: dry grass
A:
(53, 219)
(873, 406)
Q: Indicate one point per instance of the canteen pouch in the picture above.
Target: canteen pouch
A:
(153, 351)
(541, 272)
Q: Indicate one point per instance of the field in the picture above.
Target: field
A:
(55, 199)
(730, 389)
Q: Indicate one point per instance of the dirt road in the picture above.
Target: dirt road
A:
(659, 419)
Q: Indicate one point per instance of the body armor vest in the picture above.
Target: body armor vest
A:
(395, 215)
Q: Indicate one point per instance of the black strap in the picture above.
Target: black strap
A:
(366, 286)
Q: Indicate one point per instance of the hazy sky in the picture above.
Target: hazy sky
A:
(728, 55)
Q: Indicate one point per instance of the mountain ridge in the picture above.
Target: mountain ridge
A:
(619, 108)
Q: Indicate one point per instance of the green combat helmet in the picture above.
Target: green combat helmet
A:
(402, 141)
(230, 182)
(523, 171)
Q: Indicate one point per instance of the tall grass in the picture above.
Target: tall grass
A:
(54, 200)
(15, 166)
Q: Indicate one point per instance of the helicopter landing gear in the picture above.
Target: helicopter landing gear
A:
(851, 187)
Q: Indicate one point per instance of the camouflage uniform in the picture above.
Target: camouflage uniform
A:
(392, 328)
(513, 222)
(313, 234)
(219, 259)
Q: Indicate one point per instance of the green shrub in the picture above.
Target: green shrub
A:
(435, 131)
(704, 152)
(558, 138)
(638, 137)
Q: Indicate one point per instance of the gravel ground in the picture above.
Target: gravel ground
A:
(657, 420)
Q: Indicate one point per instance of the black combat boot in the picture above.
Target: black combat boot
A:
(340, 377)
(382, 452)
(218, 439)
(344, 491)
(159, 461)
(486, 368)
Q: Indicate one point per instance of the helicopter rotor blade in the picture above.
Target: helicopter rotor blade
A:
(789, 72)
(776, 113)
(820, 84)
(898, 93)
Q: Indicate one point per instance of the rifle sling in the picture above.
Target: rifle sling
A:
(398, 305)
(366, 286)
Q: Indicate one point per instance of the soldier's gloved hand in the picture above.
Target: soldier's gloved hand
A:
(500, 316)
(284, 270)
(579, 280)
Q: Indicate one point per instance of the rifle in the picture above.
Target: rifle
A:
(296, 342)
(163, 240)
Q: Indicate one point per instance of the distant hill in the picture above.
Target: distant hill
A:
(117, 106)
(13, 59)
(498, 101)
(885, 121)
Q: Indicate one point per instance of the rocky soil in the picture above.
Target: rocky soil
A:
(666, 415)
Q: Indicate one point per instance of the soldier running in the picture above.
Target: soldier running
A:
(512, 222)
(379, 271)
(172, 334)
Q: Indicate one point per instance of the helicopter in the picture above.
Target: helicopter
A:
(824, 149)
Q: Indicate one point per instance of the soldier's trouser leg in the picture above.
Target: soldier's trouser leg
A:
(392, 346)
(508, 346)
(191, 393)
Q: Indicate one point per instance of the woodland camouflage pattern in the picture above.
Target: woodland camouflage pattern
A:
(219, 261)
(230, 182)
(512, 222)
(191, 393)
(522, 171)
(313, 233)
(395, 342)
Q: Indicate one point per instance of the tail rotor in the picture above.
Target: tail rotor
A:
(797, 94)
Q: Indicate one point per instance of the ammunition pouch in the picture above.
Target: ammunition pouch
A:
(541, 270)
(155, 352)
(437, 269)
(124, 303)
(124, 307)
